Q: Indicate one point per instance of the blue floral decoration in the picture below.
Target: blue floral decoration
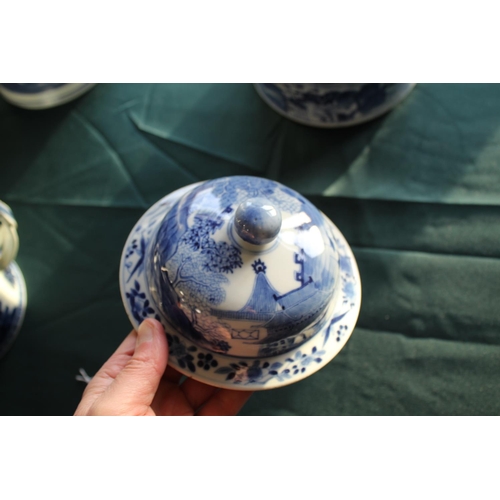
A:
(182, 354)
(139, 304)
(261, 372)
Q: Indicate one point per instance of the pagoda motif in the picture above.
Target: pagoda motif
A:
(268, 315)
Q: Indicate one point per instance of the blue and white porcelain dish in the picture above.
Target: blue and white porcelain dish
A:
(13, 301)
(255, 287)
(42, 95)
(333, 105)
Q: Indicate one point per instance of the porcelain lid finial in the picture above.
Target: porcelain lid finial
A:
(257, 221)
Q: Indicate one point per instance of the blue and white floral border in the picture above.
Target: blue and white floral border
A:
(228, 371)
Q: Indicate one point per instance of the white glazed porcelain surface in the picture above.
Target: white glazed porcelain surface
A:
(243, 357)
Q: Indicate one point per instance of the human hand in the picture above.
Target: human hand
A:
(137, 381)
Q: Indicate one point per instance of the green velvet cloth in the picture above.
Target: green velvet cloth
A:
(416, 193)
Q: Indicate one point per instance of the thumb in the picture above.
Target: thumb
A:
(134, 388)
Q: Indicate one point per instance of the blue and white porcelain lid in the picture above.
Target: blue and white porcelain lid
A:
(243, 266)
(186, 245)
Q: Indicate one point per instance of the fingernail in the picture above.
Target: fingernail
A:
(144, 333)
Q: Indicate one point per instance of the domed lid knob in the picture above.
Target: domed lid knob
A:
(257, 221)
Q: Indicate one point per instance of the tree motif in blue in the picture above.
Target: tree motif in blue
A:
(195, 266)
(199, 263)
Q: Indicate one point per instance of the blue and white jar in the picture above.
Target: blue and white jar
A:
(42, 95)
(331, 105)
(254, 286)
(12, 286)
